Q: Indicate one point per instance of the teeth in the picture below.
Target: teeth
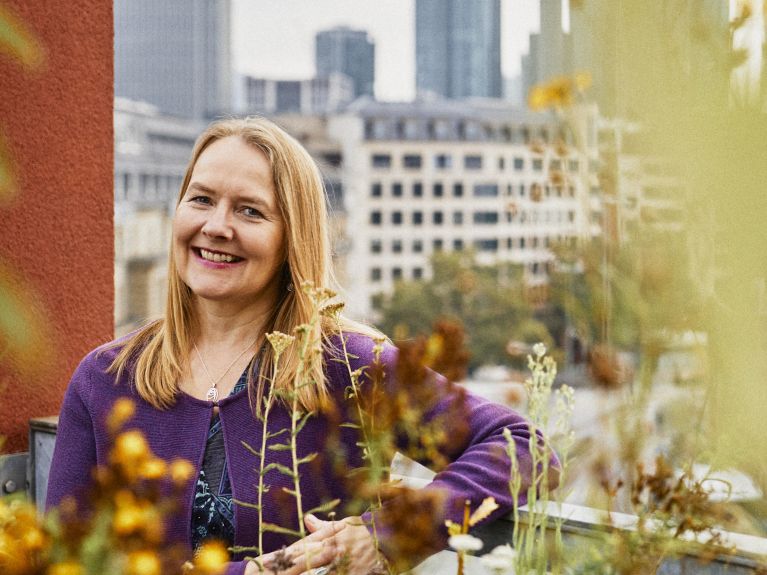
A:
(212, 257)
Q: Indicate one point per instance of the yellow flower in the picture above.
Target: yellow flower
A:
(153, 469)
(143, 563)
(279, 341)
(122, 410)
(66, 568)
(131, 449)
(332, 310)
(181, 471)
(211, 559)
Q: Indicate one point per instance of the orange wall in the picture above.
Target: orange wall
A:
(57, 234)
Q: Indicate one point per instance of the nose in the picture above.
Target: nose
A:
(218, 224)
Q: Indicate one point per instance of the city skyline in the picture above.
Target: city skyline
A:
(275, 38)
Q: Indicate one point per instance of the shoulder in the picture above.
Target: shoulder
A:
(360, 349)
(94, 368)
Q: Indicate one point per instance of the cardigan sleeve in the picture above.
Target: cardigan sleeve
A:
(74, 455)
(470, 444)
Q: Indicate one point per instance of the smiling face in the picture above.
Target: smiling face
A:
(228, 233)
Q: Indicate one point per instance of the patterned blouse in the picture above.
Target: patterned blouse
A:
(212, 512)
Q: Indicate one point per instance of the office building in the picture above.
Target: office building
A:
(314, 96)
(458, 48)
(174, 54)
(421, 178)
(342, 50)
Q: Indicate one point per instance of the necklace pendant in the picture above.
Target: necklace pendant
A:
(212, 394)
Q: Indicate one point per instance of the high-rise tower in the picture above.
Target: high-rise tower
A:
(175, 54)
(458, 48)
(346, 51)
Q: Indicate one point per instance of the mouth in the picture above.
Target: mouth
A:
(216, 257)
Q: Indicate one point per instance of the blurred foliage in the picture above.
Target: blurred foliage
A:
(23, 332)
(488, 300)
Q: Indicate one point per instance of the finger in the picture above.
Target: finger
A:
(314, 523)
(316, 555)
(327, 529)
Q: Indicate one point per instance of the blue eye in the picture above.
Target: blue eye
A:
(252, 212)
(205, 200)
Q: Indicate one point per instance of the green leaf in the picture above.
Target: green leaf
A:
(17, 39)
(254, 451)
(303, 421)
(283, 469)
(278, 529)
(279, 447)
(350, 425)
(325, 507)
(246, 504)
(308, 458)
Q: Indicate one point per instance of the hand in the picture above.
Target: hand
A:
(346, 542)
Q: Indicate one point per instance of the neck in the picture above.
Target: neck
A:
(223, 326)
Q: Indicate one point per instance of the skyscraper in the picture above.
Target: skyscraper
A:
(346, 51)
(458, 48)
(175, 54)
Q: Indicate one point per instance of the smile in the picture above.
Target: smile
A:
(217, 257)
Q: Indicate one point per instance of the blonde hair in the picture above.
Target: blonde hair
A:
(158, 353)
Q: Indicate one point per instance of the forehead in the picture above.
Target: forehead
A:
(231, 161)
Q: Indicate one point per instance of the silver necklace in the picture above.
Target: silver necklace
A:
(212, 394)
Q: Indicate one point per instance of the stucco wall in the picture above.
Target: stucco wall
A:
(57, 233)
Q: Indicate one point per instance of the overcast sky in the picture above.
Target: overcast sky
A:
(275, 38)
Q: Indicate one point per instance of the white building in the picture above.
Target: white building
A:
(151, 153)
(445, 176)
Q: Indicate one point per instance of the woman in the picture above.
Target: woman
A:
(250, 228)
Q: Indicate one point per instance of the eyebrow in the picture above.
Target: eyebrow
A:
(197, 186)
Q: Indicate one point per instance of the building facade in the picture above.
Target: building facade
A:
(458, 48)
(319, 95)
(422, 179)
(151, 153)
(342, 50)
(174, 54)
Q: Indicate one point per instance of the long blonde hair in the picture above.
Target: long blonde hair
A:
(158, 353)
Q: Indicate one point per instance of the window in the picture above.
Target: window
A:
(457, 189)
(458, 245)
(501, 163)
(486, 245)
(417, 246)
(572, 165)
(485, 217)
(555, 164)
(521, 242)
(437, 245)
(375, 274)
(437, 218)
(472, 162)
(396, 246)
(437, 190)
(537, 164)
(458, 218)
(375, 218)
(522, 190)
(411, 161)
(376, 190)
(396, 218)
(417, 218)
(417, 190)
(396, 190)
(485, 190)
(571, 216)
(417, 273)
(376, 246)
(396, 274)
(519, 164)
(443, 161)
(381, 161)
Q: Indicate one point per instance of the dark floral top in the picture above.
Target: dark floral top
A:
(212, 512)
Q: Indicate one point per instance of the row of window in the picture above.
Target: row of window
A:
(397, 272)
(480, 217)
(537, 191)
(470, 162)
(492, 244)
(398, 128)
(162, 187)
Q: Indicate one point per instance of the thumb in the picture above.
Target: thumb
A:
(313, 523)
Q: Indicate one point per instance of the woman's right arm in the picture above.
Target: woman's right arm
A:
(74, 455)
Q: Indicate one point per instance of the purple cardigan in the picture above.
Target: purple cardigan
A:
(478, 469)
